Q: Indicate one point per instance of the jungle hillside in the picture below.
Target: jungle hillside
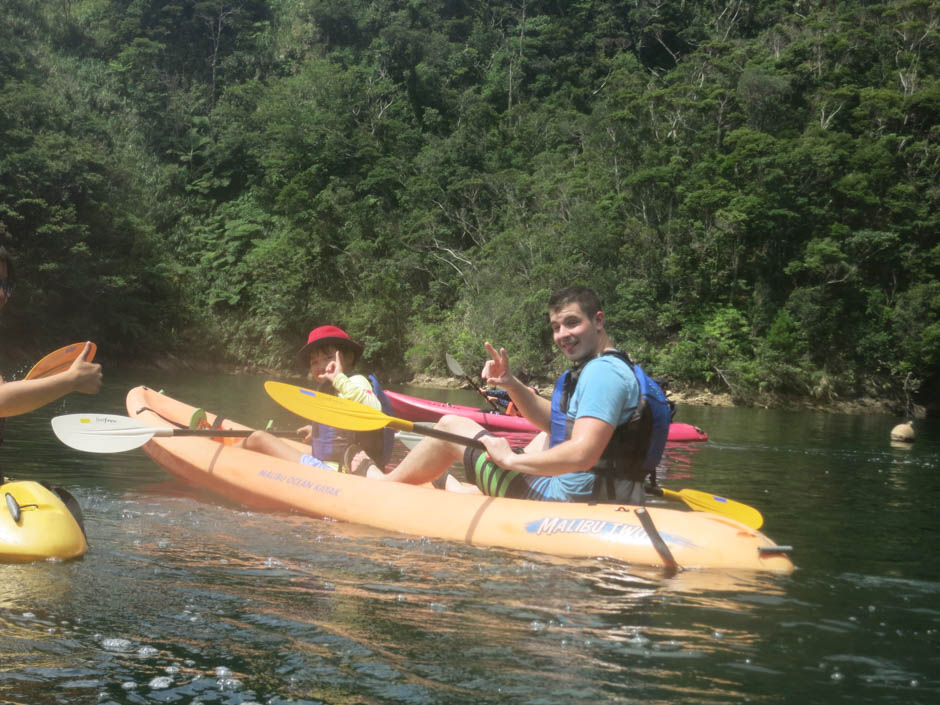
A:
(751, 187)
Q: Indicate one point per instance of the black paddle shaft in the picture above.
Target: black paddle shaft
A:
(427, 430)
(227, 432)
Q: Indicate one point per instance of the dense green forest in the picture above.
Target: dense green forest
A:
(752, 187)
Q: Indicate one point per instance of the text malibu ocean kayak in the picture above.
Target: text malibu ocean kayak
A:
(692, 539)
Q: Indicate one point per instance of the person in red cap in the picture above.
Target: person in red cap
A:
(330, 356)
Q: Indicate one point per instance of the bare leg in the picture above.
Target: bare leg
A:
(451, 483)
(263, 442)
(432, 456)
(455, 485)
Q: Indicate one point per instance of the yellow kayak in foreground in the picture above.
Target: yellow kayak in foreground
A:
(36, 524)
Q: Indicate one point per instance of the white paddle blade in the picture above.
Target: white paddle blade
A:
(102, 433)
(453, 365)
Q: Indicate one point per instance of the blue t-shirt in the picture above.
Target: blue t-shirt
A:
(607, 390)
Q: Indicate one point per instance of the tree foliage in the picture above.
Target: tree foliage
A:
(751, 187)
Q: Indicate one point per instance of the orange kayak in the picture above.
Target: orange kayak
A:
(650, 536)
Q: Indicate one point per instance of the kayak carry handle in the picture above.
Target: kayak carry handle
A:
(774, 550)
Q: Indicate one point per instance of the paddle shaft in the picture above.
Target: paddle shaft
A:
(209, 432)
(455, 368)
(426, 430)
(482, 393)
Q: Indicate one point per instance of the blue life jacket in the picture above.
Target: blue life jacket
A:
(330, 443)
(636, 447)
(385, 438)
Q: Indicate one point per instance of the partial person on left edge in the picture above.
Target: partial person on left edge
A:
(27, 395)
(23, 396)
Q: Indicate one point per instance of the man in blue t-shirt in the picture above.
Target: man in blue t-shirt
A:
(605, 397)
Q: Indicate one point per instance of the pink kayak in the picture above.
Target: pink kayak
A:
(417, 409)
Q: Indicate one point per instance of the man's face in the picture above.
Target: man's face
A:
(574, 333)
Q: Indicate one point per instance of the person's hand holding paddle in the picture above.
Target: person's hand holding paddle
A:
(499, 450)
(28, 394)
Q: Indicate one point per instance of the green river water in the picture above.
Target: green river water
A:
(186, 598)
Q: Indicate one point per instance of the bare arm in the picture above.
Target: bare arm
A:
(355, 388)
(581, 452)
(27, 395)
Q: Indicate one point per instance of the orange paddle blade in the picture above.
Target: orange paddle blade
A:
(59, 360)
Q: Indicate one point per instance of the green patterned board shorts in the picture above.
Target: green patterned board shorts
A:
(493, 480)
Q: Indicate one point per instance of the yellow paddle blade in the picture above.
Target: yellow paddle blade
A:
(59, 360)
(343, 413)
(705, 502)
(330, 410)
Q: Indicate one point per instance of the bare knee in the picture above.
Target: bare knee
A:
(458, 424)
(255, 440)
(263, 442)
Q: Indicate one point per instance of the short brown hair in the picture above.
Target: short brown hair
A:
(581, 295)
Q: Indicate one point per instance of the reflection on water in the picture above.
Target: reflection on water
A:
(198, 600)
(183, 599)
(186, 598)
(678, 461)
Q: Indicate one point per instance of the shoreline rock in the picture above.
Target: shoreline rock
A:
(690, 397)
(706, 397)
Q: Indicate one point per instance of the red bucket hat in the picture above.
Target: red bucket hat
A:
(325, 335)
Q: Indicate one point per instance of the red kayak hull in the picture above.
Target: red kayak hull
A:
(424, 410)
